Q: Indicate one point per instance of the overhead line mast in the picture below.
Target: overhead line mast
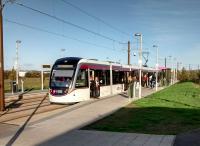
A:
(2, 98)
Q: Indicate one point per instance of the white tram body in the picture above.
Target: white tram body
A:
(70, 78)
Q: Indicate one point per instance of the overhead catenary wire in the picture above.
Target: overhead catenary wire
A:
(95, 17)
(67, 22)
(74, 25)
(56, 34)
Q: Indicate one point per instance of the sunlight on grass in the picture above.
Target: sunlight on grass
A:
(173, 110)
(183, 95)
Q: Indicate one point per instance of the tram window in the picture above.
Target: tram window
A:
(107, 77)
(82, 79)
(118, 77)
(115, 77)
(121, 77)
(104, 77)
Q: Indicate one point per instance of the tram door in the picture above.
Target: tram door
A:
(94, 84)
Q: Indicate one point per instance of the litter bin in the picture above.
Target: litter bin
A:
(14, 86)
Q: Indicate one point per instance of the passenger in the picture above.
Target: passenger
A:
(97, 87)
(134, 78)
(129, 79)
(92, 86)
(145, 79)
(150, 81)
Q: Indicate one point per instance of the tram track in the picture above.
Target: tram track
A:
(71, 108)
(25, 106)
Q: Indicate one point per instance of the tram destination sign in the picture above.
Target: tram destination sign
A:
(64, 66)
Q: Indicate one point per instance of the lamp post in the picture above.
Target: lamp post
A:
(170, 58)
(175, 70)
(17, 61)
(155, 46)
(140, 63)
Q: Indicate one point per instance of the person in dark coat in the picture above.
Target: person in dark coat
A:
(97, 87)
(92, 86)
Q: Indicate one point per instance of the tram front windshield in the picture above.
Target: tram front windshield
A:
(61, 78)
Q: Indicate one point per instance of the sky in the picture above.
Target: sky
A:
(172, 25)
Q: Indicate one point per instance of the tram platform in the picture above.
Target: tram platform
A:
(62, 127)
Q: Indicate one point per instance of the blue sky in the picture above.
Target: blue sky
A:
(173, 25)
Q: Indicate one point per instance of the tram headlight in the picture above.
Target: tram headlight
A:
(53, 92)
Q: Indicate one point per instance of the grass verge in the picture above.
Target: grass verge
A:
(171, 111)
(29, 83)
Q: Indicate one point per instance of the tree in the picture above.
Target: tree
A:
(12, 75)
(193, 76)
(198, 76)
(184, 75)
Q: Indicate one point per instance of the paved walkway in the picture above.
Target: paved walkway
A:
(191, 138)
(101, 138)
(63, 129)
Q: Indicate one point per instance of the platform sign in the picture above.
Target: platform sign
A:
(22, 73)
(46, 66)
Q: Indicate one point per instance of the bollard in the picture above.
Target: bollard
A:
(14, 87)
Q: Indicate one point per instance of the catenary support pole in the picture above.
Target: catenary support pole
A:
(129, 51)
(140, 64)
(42, 79)
(2, 99)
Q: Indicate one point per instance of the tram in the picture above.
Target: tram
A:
(71, 79)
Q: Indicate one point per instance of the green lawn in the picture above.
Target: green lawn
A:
(29, 83)
(173, 110)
